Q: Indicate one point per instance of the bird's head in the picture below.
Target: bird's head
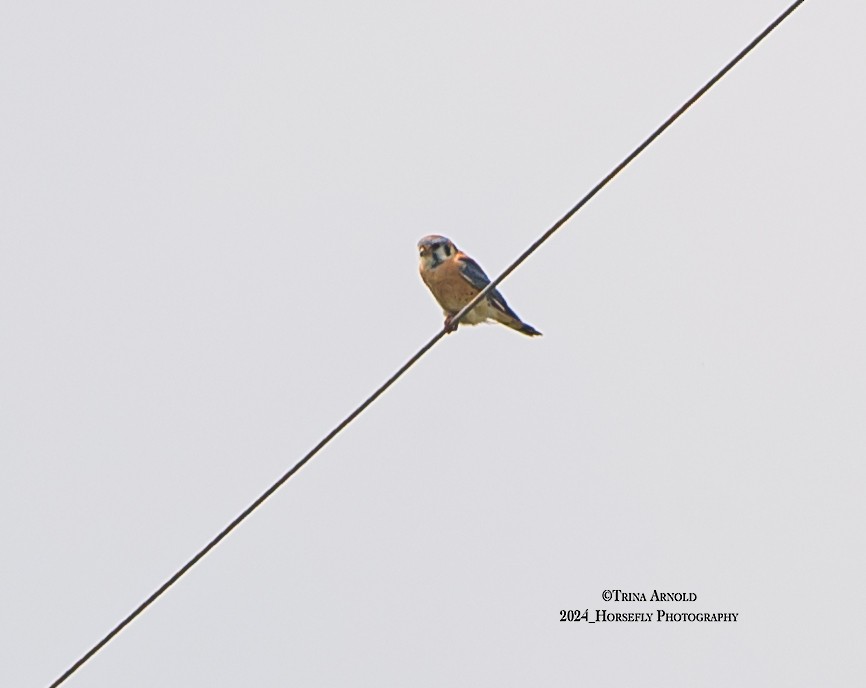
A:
(434, 249)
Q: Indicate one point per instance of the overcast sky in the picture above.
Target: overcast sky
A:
(207, 259)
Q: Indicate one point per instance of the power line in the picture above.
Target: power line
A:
(424, 349)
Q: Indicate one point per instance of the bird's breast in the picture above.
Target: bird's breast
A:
(449, 287)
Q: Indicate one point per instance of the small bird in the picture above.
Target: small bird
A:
(455, 279)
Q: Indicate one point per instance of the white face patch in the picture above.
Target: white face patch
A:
(429, 261)
(434, 253)
(441, 253)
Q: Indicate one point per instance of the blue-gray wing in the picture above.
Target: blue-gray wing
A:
(472, 273)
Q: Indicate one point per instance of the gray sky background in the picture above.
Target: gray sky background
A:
(207, 258)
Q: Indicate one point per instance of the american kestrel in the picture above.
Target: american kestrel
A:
(455, 279)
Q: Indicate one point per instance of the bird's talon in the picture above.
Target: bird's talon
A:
(450, 325)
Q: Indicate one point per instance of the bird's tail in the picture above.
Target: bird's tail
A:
(528, 330)
(516, 323)
(500, 312)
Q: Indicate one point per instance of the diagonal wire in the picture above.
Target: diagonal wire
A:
(424, 349)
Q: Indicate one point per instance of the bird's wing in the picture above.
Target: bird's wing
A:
(472, 273)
